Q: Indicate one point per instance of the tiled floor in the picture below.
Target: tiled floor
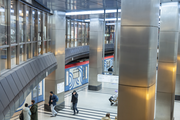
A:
(92, 106)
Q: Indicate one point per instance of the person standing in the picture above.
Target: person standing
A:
(74, 101)
(26, 112)
(34, 111)
(52, 103)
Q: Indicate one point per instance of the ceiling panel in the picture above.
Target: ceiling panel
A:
(71, 5)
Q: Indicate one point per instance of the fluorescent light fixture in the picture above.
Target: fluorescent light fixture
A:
(110, 23)
(87, 20)
(107, 19)
(93, 12)
(2, 10)
(112, 19)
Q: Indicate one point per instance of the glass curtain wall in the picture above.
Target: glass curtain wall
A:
(39, 32)
(3, 34)
(13, 21)
(77, 33)
(20, 42)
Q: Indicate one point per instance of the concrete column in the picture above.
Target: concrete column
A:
(58, 28)
(168, 47)
(95, 56)
(138, 55)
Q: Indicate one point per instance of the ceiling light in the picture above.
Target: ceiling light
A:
(93, 12)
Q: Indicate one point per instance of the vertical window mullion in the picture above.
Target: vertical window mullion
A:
(17, 33)
(42, 33)
(31, 38)
(24, 32)
(9, 34)
(36, 24)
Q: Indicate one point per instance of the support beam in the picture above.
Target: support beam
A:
(138, 55)
(168, 47)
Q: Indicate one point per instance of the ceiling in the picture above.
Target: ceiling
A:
(72, 5)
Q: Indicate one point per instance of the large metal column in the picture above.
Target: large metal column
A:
(95, 56)
(138, 55)
(177, 88)
(58, 28)
(169, 32)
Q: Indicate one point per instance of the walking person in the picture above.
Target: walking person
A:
(26, 112)
(74, 101)
(34, 111)
(52, 103)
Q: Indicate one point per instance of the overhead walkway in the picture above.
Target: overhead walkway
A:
(17, 83)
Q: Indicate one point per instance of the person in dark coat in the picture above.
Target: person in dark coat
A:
(110, 70)
(52, 103)
(74, 101)
(34, 111)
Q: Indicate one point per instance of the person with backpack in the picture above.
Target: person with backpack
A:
(26, 113)
(74, 101)
(110, 70)
(34, 110)
(52, 103)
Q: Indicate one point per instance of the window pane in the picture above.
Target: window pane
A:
(33, 25)
(13, 56)
(48, 25)
(39, 48)
(44, 27)
(49, 46)
(45, 45)
(28, 51)
(3, 60)
(39, 26)
(79, 34)
(21, 54)
(83, 36)
(68, 34)
(75, 32)
(72, 34)
(3, 22)
(13, 21)
(28, 24)
(34, 49)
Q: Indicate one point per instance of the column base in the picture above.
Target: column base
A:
(177, 97)
(57, 108)
(95, 88)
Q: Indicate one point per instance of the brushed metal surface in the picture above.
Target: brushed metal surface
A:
(138, 56)
(140, 12)
(138, 53)
(95, 49)
(164, 104)
(166, 77)
(168, 47)
(169, 17)
(177, 88)
(58, 29)
(136, 103)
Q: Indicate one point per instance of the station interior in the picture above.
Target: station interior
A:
(115, 57)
